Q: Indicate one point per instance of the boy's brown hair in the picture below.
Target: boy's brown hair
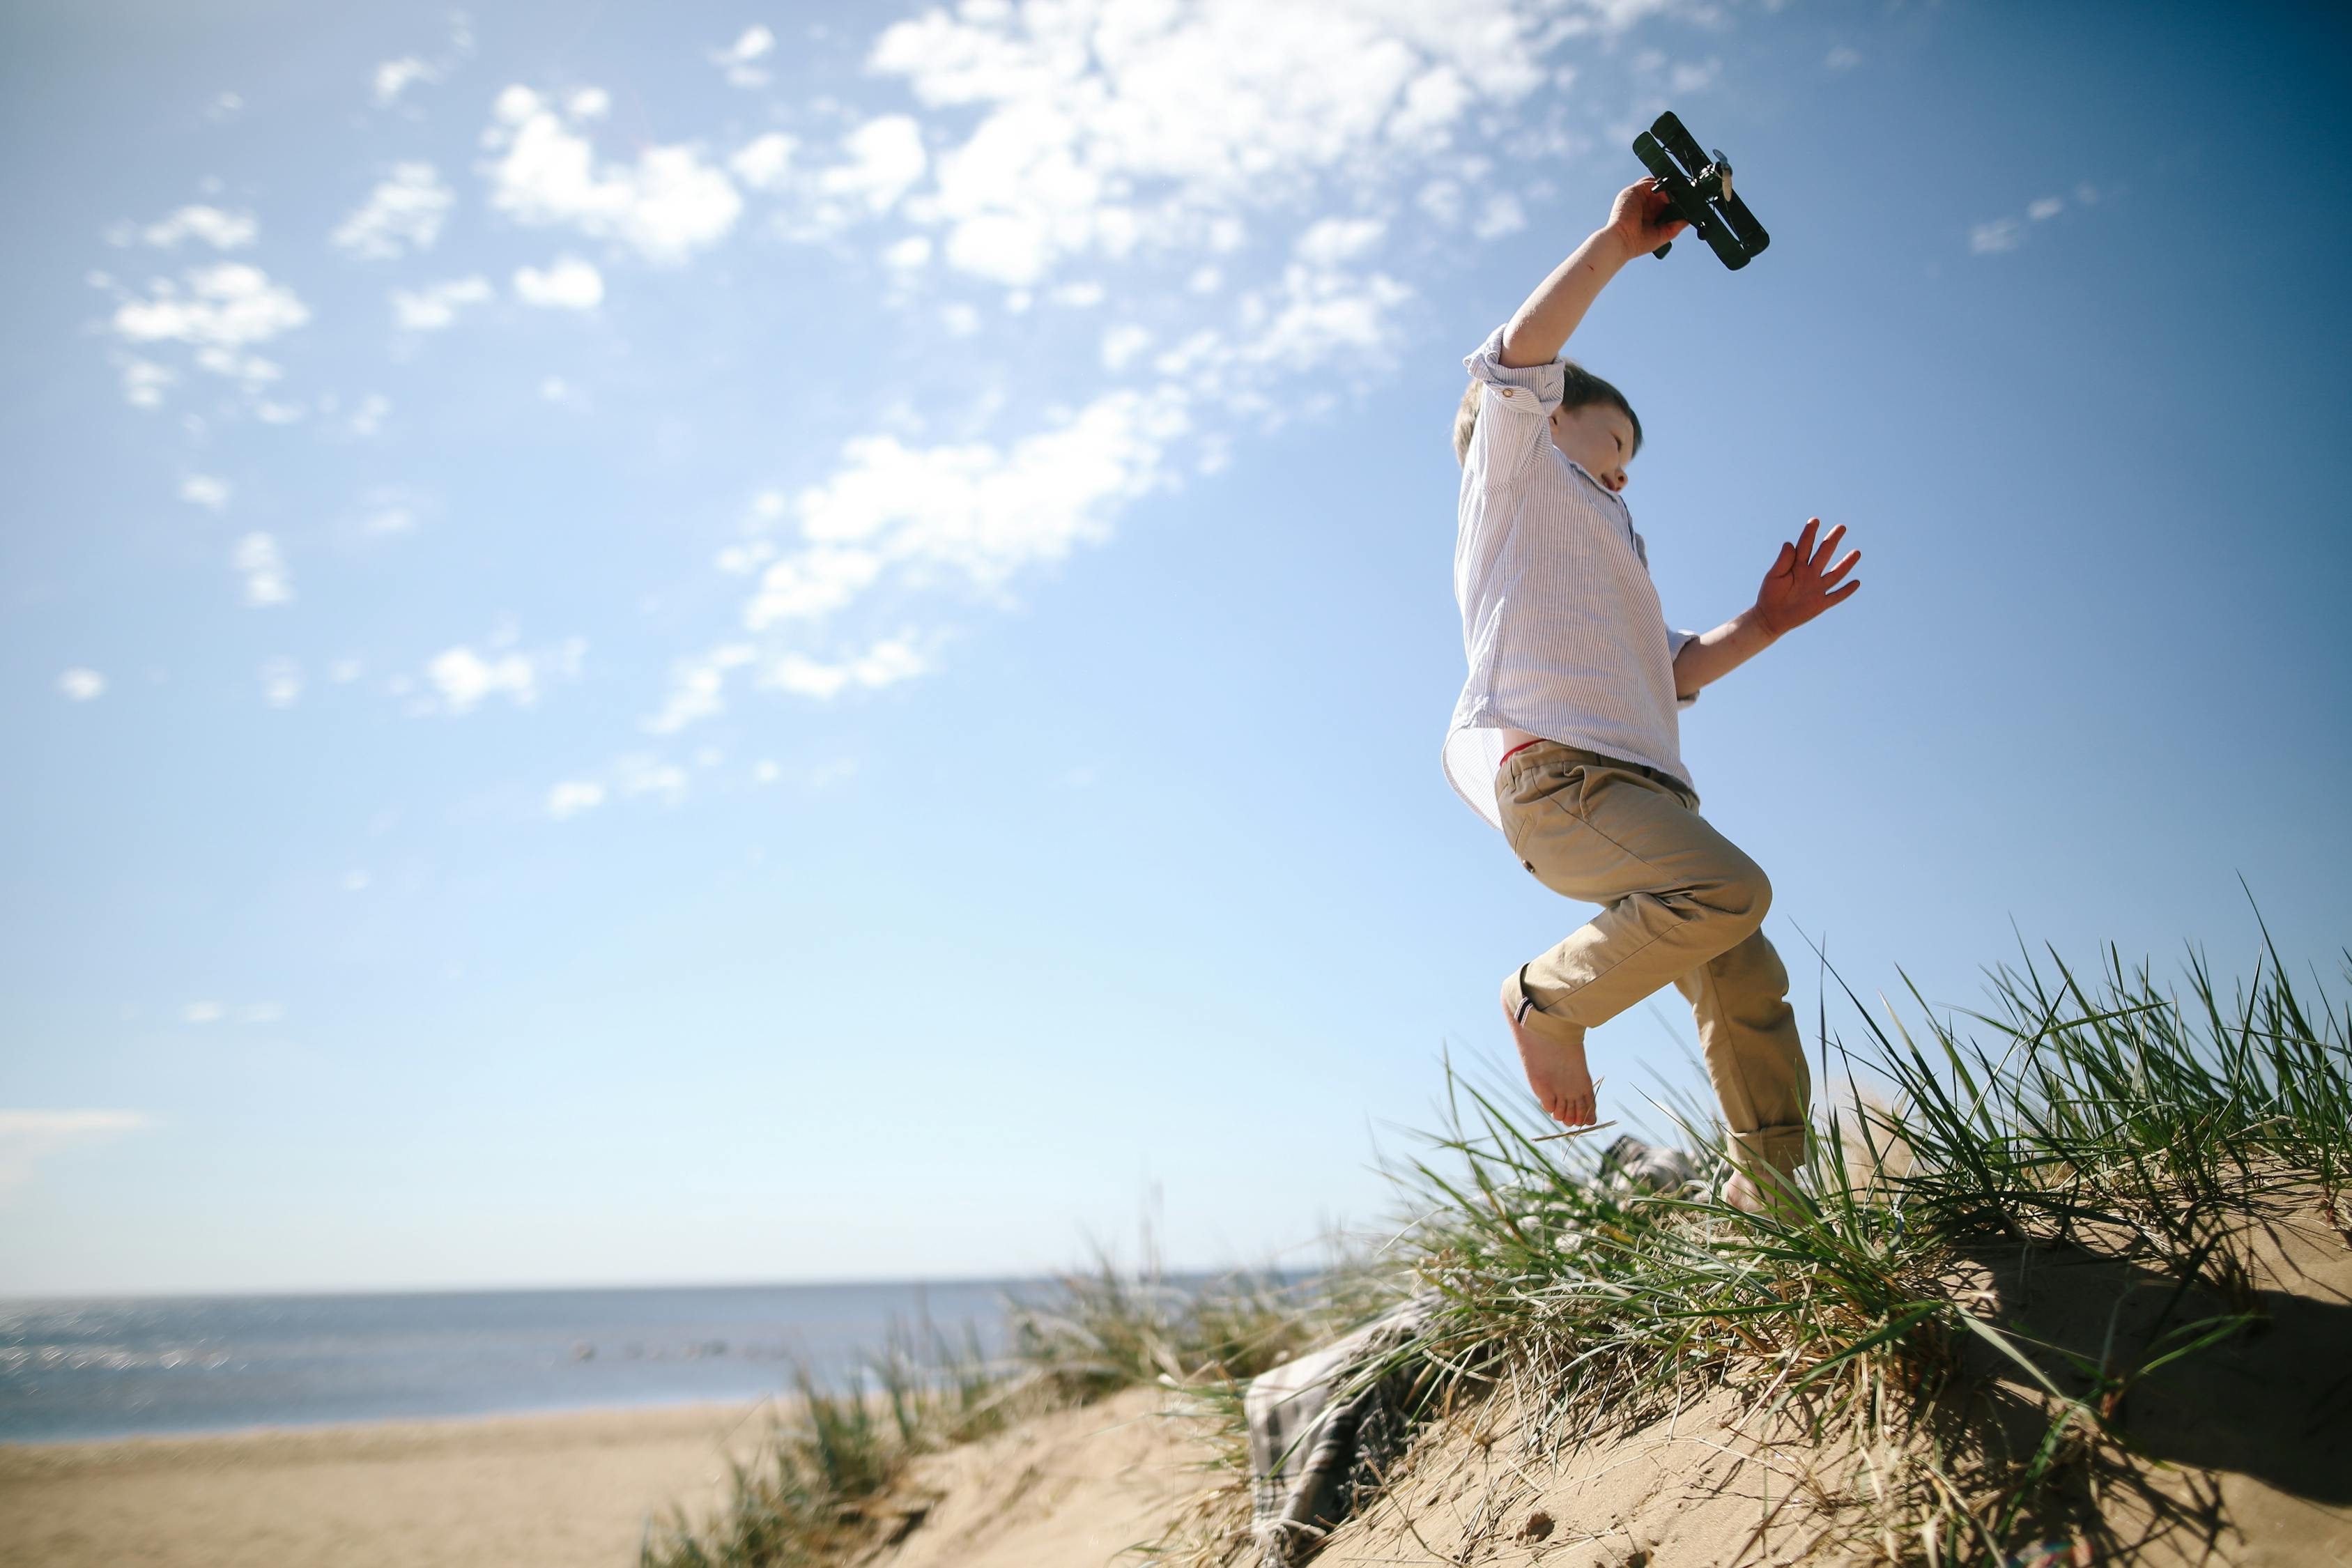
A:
(1579, 388)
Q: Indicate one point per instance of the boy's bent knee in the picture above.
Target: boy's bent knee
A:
(1742, 898)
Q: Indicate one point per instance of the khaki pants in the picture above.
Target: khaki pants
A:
(1684, 905)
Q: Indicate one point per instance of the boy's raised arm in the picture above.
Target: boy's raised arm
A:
(1640, 221)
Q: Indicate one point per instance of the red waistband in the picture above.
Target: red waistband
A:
(1515, 751)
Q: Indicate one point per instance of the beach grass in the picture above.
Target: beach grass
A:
(2097, 1115)
(1868, 1323)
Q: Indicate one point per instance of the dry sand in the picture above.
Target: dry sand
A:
(573, 1490)
(2254, 1441)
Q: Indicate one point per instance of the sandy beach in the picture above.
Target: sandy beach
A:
(574, 1489)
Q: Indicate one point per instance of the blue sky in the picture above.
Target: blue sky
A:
(810, 643)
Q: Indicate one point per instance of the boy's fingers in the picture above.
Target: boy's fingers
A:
(1805, 540)
(1842, 568)
(1830, 543)
(1844, 593)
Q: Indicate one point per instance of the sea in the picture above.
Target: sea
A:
(73, 1370)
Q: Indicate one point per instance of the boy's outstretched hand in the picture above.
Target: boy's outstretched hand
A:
(1802, 583)
(1642, 218)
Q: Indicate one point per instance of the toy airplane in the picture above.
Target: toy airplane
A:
(1700, 188)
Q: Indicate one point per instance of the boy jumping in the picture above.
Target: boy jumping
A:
(1565, 736)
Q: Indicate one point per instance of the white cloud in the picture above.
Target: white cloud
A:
(737, 60)
(227, 305)
(143, 382)
(666, 205)
(698, 688)
(1991, 238)
(573, 796)
(394, 77)
(81, 685)
(1502, 215)
(281, 683)
(464, 678)
(221, 230)
(263, 1013)
(763, 162)
(571, 284)
(886, 663)
(368, 417)
(205, 491)
(588, 103)
(1333, 240)
(436, 306)
(1122, 343)
(908, 255)
(639, 774)
(2047, 208)
(1843, 58)
(885, 157)
(27, 1137)
(203, 1013)
(1140, 123)
(985, 510)
(267, 581)
(812, 584)
(404, 213)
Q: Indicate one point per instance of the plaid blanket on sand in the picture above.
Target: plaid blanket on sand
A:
(1325, 1428)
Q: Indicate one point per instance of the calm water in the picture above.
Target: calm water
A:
(111, 1368)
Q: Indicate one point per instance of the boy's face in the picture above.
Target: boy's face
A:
(1598, 438)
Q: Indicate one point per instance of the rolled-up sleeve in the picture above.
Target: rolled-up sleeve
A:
(1514, 411)
(1675, 640)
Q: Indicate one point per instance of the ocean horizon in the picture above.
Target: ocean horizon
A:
(105, 1367)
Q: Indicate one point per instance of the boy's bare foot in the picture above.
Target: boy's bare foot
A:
(1555, 1069)
(1743, 1193)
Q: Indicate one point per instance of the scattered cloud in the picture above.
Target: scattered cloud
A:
(738, 60)
(281, 683)
(763, 162)
(570, 284)
(220, 229)
(884, 157)
(464, 678)
(667, 206)
(1167, 120)
(436, 306)
(28, 1137)
(267, 581)
(2007, 232)
(205, 491)
(1844, 58)
(143, 382)
(221, 308)
(392, 77)
(1991, 238)
(886, 663)
(698, 688)
(203, 1013)
(404, 213)
(81, 685)
(573, 796)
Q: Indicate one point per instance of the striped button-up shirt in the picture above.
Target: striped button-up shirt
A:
(1559, 618)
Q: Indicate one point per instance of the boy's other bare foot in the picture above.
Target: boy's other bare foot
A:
(1555, 1069)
